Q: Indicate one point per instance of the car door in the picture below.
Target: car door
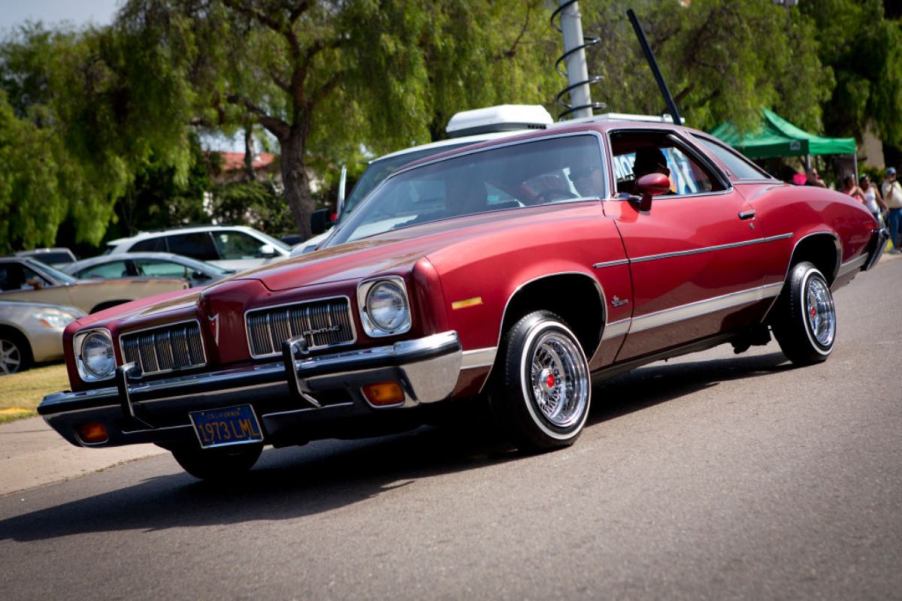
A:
(696, 257)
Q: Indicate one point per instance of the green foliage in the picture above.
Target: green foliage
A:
(325, 77)
(161, 197)
(89, 110)
(865, 51)
(722, 59)
(254, 203)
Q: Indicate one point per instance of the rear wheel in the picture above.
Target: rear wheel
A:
(15, 354)
(543, 392)
(804, 320)
(217, 465)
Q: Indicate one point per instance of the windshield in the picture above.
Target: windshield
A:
(379, 169)
(520, 175)
(55, 275)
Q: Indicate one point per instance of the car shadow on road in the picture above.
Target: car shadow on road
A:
(296, 482)
(663, 382)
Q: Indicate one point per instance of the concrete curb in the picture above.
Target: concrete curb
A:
(33, 454)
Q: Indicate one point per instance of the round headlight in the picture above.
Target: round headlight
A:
(97, 356)
(387, 308)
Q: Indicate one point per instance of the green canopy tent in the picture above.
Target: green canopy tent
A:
(777, 137)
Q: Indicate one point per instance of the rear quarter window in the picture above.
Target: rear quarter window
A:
(738, 166)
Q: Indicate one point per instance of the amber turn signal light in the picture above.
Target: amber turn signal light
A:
(381, 394)
(93, 433)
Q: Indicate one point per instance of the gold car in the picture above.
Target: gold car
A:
(29, 280)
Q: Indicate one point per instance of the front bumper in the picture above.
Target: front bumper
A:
(876, 247)
(296, 399)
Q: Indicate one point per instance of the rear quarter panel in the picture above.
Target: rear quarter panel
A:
(806, 210)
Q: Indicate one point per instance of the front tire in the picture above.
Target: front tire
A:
(15, 354)
(804, 321)
(217, 465)
(544, 391)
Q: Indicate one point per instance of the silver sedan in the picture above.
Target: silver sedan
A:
(32, 333)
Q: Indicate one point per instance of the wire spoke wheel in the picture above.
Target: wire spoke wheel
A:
(559, 380)
(543, 393)
(819, 311)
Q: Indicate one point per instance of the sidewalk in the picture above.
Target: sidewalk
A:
(32, 454)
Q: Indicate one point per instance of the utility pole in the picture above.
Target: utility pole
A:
(575, 58)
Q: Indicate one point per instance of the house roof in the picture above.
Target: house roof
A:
(234, 161)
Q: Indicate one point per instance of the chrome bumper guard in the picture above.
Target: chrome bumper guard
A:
(427, 369)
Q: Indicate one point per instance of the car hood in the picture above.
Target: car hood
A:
(392, 252)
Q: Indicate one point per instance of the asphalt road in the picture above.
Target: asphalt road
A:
(711, 477)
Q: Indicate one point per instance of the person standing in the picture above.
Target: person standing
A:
(872, 199)
(849, 187)
(892, 196)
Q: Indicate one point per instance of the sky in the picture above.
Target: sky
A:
(54, 12)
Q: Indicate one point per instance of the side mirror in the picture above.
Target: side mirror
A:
(199, 276)
(268, 252)
(653, 184)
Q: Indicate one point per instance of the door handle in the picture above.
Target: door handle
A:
(747, 214)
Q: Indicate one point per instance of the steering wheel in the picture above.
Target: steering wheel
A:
(555, 194)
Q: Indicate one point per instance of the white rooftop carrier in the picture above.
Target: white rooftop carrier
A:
(504, 117)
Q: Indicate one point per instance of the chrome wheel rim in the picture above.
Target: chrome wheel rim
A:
(10, 357)
(560, 380)
(820, 313)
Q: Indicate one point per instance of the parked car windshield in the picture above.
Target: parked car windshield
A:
(508, 177)
(57, 276)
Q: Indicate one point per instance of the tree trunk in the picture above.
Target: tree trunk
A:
(295, 180)
(249, 153)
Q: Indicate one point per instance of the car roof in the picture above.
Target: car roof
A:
(192, 229)
(36, 251)
(99, 260)
(462, 141)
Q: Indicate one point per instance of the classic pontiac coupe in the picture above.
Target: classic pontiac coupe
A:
(513, 272)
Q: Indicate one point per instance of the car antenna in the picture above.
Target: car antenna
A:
(650, 57)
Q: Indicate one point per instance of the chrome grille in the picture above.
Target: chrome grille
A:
(164, 349)
(324, 323)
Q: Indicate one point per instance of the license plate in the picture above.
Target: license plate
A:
(226, 427)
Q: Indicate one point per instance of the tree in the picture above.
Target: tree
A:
(722, 59)
(324, 77)
(79, 120)
(864, 50)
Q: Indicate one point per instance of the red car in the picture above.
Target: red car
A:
(513, 272)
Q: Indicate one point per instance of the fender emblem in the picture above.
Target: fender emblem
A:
(214, 324)
(616, 301)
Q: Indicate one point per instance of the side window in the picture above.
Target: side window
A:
(153, 245)
(238, 245)
(11, 277)
(107, 271)
(160, 269)
(18, 277)
(739, 166)
(640, 153)
(197, 246)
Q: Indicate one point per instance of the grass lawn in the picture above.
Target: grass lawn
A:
(20, 393)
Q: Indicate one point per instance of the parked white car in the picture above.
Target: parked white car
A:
(234, 247)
